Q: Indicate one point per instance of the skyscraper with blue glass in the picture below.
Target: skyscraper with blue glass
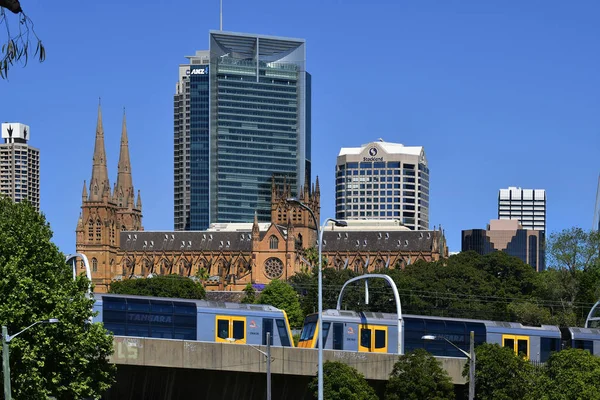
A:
(241, 118)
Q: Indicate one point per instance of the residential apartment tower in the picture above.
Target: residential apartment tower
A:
(19, 165)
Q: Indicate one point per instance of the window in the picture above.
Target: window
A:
(273, 242)
(94, 265)
(230, 329)
(283, 332)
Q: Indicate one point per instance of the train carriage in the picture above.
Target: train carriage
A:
(377, 332)
(167, 318)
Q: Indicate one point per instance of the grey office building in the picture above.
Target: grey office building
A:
(19, 165)
(241, 118)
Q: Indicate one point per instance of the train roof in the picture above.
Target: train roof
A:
(584, 333)
(491, 326)
(198, 303)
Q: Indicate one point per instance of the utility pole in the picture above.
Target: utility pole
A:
(268, 365)
(5, 363)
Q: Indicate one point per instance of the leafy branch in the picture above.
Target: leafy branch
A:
(17, 45)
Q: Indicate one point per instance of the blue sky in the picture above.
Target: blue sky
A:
(500, 93)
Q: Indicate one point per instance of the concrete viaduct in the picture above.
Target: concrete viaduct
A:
(164, 369)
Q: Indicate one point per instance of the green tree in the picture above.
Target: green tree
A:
(281, 295)
(19, 31)
(417, 375)
(570, 374)
(69, 359)
(160, 286)
(500, 374)
(573, 249)
(342, 382)
(250, 294)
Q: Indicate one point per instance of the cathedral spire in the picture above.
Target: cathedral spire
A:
(139, 201)
(124, 195)
(99, 182)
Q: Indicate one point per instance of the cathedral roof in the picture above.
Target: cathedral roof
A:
(156, 241)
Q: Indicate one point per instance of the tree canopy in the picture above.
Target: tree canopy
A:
(342, 382)
(160, 286)
(569, 374)
(281, 295)
(500, 374)
(417, 375)
(66, 360)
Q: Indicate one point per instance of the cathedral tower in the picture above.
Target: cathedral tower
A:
(104, 214)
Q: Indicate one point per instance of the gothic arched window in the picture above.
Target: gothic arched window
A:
(94, 265)
(91, 230)
(273, 242)
(98, 230)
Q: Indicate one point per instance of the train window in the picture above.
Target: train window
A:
(112, 303)
(326, 326)
(138, 305)
(114, 316)
(584, 345)
(338, 336)
(161, 332)
(116, 329)
(164, 307)
(283, 333)
(137, 330)
(380, 341)
(184, 308)
(238, 329)
(365, 338)
(267, 325)
(185, 333)
(223, 328)
(547, 346)
(308, 331)
(509, 342)
(523, 347)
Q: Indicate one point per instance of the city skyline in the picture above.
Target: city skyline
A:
(494, 107)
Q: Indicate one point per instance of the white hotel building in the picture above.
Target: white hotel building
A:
(382, 180)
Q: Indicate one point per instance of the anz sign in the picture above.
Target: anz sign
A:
(199, 71)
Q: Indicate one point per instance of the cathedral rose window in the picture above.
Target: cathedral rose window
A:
(273, 268)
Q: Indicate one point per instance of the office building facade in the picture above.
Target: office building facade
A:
(510, 237)
(19, 165)
(382, 180)
(528, 206)
(241, 118)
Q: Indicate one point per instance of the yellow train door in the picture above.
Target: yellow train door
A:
(373, 339)
(519, 344)
(229, 329)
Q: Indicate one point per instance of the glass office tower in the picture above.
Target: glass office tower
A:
(242, 117)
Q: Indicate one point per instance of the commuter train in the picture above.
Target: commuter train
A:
(208, 321)
(377, 332)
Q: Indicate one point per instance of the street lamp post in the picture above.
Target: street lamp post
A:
(470, 355)
(320, 286)
(6, 338)
(268, 358)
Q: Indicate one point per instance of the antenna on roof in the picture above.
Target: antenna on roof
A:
(380, 139)
(221, 16)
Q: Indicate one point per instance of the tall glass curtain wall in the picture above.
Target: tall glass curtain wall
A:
(257, 135)
(383, 190)
(199, 148)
